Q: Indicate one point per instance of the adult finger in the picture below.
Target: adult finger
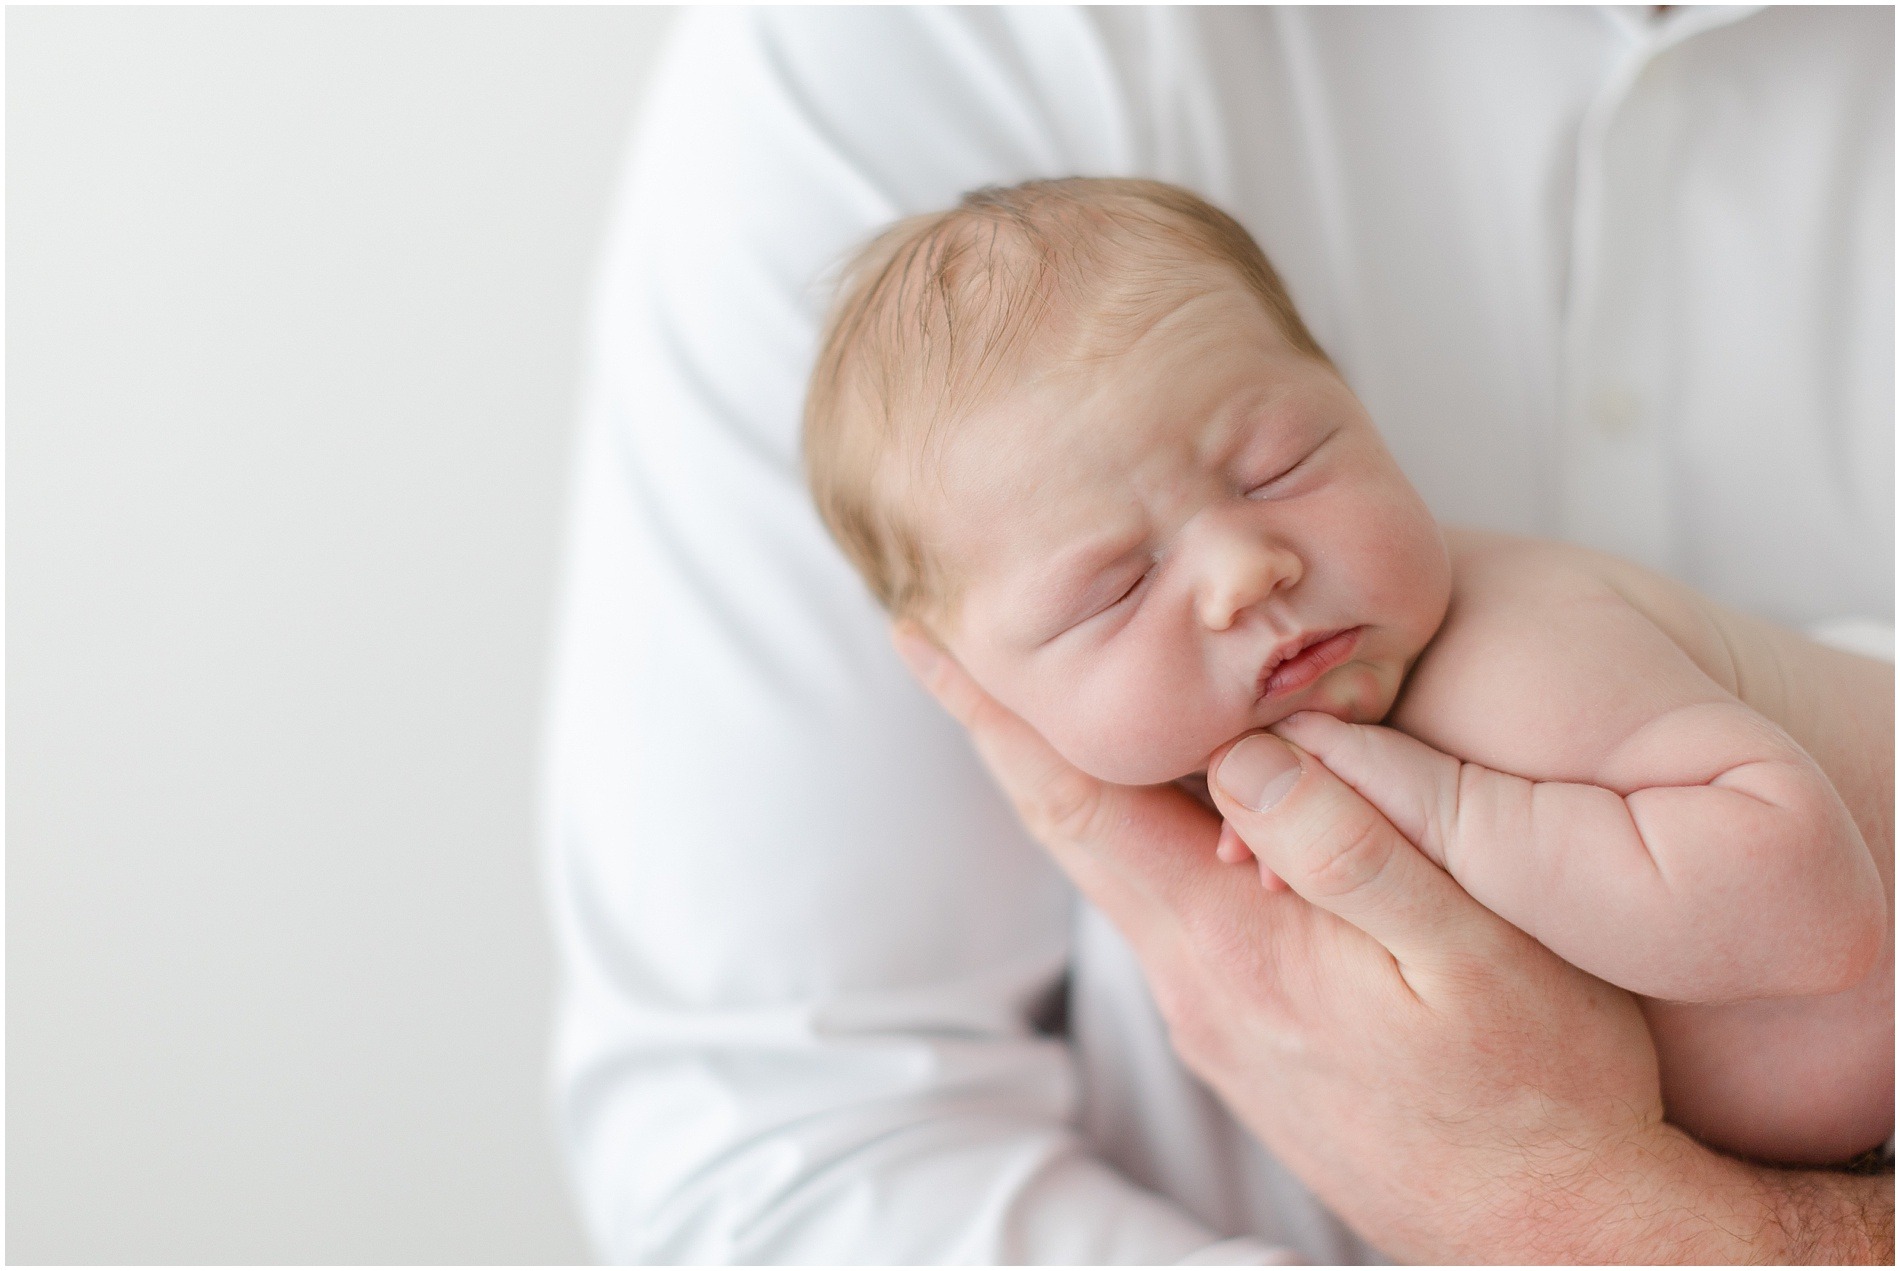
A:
(1339, 853)
(1413, 786)
(1094, 830)
(1054, 798)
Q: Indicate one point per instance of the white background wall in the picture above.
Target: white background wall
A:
(293, 311)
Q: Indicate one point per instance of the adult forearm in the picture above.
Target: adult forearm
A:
(1672, 1200)
(1825, 1217)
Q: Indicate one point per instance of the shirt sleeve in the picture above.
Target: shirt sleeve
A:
(803, 942)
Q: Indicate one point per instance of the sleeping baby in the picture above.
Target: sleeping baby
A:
(1077, 431)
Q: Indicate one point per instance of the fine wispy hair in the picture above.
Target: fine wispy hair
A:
(941, 311)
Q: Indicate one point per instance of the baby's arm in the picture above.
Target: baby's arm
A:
(1661, 835)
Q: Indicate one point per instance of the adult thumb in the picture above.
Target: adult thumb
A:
(1339, 853)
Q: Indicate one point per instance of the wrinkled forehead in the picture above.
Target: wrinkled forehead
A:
(1053, 381)
(1097, 416)
(1033, 322)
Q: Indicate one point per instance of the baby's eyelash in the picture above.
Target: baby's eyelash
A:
(1283, 474)
(1303, 460)
(1276, 478)
(1132, 587)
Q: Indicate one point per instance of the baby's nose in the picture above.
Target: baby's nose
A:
(1242, 570)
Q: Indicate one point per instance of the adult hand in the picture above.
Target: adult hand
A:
(1452, 1089)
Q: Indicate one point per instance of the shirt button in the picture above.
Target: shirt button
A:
(1617, 411)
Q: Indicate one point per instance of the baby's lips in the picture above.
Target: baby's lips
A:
(1290, 670)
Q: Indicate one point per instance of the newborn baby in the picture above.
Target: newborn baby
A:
(1077, 431)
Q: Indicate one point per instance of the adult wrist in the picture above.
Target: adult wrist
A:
(1819, 1216)
(1656, 1196)
(1670, 1199)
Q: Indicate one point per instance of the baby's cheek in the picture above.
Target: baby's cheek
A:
(1134, 729)
(1397, 557)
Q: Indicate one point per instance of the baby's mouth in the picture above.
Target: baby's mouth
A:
(1296, 664)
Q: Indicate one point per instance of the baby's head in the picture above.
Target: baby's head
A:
(1078, 432)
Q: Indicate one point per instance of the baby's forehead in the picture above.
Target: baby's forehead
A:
(1099, 383)
(1058, 458)
(1074, 448)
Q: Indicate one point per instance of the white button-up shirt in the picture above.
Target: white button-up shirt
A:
(1598, 276)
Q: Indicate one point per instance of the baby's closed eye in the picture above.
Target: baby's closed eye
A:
(1279, 477)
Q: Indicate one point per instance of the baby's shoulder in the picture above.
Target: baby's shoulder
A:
(1499, 576)
(1551, 655)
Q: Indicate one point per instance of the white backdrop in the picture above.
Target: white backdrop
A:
(293, 311)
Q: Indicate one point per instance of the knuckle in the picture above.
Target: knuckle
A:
(954, 697)
(1067, 806)
(1494, 944)
(1483, 966)
(1470, 973)
(1352, 858)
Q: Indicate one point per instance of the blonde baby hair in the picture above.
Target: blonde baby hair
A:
(938, 310)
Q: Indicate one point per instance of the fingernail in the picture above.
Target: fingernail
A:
(1259, 771)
